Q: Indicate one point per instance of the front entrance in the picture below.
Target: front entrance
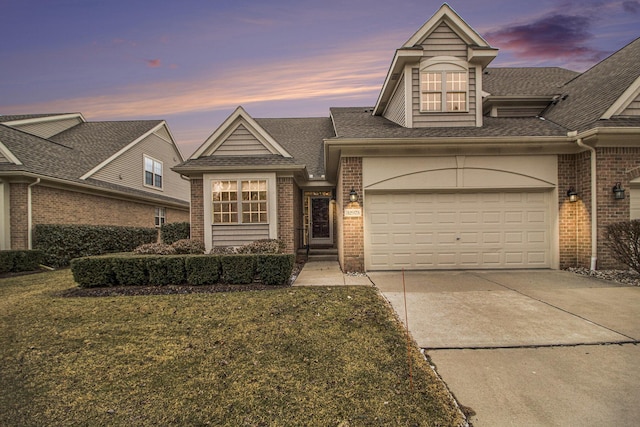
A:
(320, 221)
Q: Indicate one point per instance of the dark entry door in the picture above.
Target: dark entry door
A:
(321, 221)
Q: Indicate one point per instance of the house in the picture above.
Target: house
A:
(458, 165)
(63, 169)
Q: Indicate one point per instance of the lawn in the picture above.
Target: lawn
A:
(282, 357)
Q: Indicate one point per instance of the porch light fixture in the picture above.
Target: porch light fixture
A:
(618, 191)
(572, 195)
(353, 195)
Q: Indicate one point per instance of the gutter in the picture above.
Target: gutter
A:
(594, 204)
(30, 213)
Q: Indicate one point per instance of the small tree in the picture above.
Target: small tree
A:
(623, 238)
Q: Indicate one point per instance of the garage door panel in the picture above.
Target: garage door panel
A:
(457, 230)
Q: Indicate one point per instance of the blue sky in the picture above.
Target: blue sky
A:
(192, 62)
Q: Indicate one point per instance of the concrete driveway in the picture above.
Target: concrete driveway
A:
(536, 347)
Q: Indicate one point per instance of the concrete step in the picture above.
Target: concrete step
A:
(321, 257)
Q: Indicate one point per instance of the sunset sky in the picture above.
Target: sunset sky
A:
(192, 62)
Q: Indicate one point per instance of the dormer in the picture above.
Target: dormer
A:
(435, 79)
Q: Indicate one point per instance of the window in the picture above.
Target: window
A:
(152, 172)
(450, 96)
(160, 217)
(239, 202)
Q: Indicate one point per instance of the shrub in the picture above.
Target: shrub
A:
(238, 269)
(61, 243)
(275, 269)
(91, 272)
(20, 260)
(188, 246)
(223, 250)
(166, 270)
(154, 249)
(130, 270)
(202, 269)
(623, 238)
(264, 246)
(170, 233)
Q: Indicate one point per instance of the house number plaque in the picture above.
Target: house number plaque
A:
(352, 212)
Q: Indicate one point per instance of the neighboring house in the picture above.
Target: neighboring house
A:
(62, 169)
(457, 165)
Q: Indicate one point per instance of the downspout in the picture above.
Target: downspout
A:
(594, 204)
(30, 213)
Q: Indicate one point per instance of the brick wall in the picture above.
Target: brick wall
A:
(351, 246)
(19, 222)
(59, 206)
(287, 213)
(197, 210)
(615, 164)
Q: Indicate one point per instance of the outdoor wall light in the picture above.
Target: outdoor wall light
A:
(618, 191)
(572, 195)
(353, 195)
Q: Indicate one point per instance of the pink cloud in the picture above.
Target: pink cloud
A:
(153, 63)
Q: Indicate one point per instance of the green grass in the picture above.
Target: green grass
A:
(284, 357)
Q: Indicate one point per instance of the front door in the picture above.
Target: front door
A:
(320, 221)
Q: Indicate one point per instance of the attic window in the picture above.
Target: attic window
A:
(450, 96)
(443, 85)
(152, 172)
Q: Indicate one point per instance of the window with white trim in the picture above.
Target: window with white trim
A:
(152, 172)
(239, 201)
(444, 85)
(160, 216)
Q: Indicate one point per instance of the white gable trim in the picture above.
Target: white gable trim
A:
(238, 117)
(629, 95)
(7, 154)
(123, 150)
(45, 119)
(450, 17)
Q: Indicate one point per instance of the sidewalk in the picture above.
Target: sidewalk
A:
(328, 273)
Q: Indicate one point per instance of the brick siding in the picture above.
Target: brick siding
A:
(351, 243)
(197, 209)
(60, 206)
(287, 213)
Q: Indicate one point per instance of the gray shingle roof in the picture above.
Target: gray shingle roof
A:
(590, 94)
(360, 123)
(72, 153)
(525, 81)
(302, 138)
(14, 117)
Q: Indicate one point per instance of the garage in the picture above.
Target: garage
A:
(458, 230)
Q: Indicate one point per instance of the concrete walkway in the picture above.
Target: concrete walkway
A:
(534, 348)
(328, 273)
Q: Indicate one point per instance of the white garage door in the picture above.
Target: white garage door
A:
(457, 230)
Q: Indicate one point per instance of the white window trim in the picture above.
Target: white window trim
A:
(144, 172)
(272, 201)
(162, 214)
(443, 65)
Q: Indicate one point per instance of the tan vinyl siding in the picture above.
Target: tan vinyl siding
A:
(633, 109)
(443, 119)
(128, 168)
(395, 110)
(163, 133)
(238, 235)
(49, 128)
(444, 42)
(241, 142)
(3, 159)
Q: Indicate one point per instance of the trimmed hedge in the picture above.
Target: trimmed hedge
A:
(202, 269)
(275, 269)
(61, 243)
(170, 233)
(238, 269)
(139, 270)
(17, 261)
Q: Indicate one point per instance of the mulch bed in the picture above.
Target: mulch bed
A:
(164, 290)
